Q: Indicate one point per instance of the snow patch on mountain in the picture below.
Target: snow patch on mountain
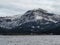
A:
(38, 17)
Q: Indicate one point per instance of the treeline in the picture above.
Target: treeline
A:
(28, 31)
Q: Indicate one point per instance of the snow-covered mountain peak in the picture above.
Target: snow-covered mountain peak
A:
(35, 15)
(40, 14)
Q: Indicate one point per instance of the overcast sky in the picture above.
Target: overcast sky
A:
(14, 7)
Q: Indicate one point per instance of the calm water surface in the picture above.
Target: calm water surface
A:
(30, 40)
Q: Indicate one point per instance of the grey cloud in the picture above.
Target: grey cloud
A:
(12, 7)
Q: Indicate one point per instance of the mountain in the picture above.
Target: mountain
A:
(36, 21)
